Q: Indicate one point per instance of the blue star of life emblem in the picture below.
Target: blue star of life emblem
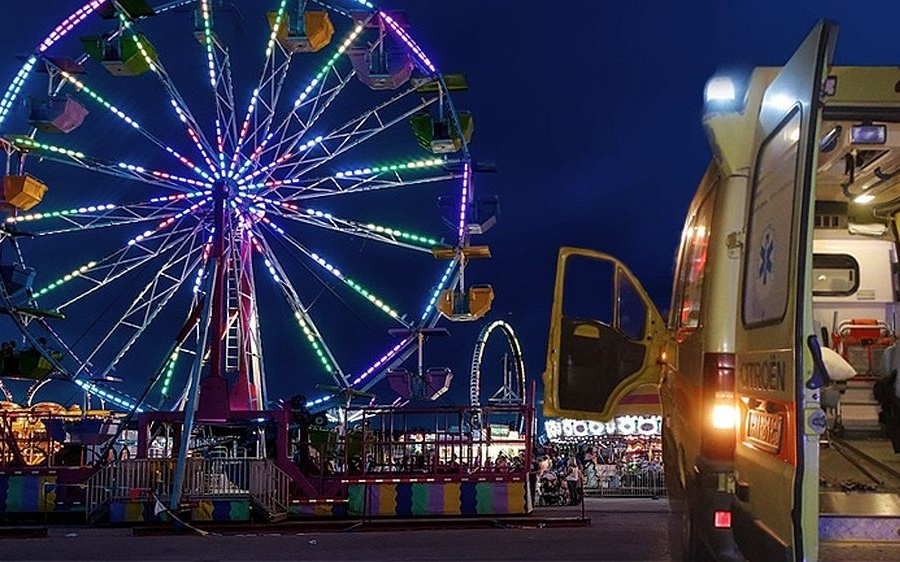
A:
(766, 250)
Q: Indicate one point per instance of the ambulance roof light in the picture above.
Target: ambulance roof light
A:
(720, 88)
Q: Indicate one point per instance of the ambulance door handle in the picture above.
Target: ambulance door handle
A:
(819, 376)
(742, 491)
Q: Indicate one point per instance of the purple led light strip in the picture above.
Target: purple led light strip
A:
(408, 40)
(58, 33)
(385, 358)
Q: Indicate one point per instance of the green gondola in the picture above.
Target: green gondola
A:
(28, 364)
(120, 55)
(441, 136)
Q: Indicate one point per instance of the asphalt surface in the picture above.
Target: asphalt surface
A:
(619, 530)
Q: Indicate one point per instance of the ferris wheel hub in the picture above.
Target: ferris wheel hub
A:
(225, 188)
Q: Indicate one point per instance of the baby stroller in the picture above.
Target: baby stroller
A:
(551, 491)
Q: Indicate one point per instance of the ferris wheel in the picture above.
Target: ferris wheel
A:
(241, 193)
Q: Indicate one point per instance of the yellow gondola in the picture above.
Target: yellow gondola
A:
(23, 192)
(308, 32)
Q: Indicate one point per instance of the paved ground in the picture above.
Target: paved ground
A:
(620, 530)
(624, 531)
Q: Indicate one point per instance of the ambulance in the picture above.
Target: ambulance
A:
(784, 306)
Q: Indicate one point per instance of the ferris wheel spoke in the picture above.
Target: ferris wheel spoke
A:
(317, 107)
(210, 43)
(272, 79)
(317, 86)
(153, 297)
(226, 111)
(116, 396)
(123, 170)
(274, 85)
(102, 272)
(347, 136)
(176, 100)
(219, 69)
(300, 190)
(134, 125)
(360, 179)
(324, 264)
(370, 231)
(301, 313)
(94, 216)
(187, 346)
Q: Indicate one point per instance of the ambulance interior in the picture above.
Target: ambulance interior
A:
(857, 314)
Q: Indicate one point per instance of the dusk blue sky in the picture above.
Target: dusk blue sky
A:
(592, 112)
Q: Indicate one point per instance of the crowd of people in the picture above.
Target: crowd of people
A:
(562, 473)
(558, 476)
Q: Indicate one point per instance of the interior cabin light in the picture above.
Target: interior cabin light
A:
(868, 134)
(863, 199)
(720, 88)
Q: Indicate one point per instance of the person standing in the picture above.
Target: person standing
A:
(574, 481)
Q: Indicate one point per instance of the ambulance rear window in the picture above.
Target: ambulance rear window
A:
(835, 275)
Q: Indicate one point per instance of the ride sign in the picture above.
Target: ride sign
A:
(622, 425)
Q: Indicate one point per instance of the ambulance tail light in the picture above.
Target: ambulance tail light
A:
(724, 414)
(722, 519)
(719, 404)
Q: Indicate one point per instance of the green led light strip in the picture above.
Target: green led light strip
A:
(65, 279)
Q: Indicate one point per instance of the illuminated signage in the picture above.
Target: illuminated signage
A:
(622, 425)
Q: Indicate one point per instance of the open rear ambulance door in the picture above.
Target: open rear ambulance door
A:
(605, 337)
(775, 513)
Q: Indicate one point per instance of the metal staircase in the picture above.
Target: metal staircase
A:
(259, 480)
(270, 490)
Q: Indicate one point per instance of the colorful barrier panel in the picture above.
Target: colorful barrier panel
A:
(307, 510)
(412, 499)
(42, 491)
(136, 511)
(28, 493)
(221, 510)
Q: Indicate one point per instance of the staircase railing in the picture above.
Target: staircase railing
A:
(270, 488)
(142, 479)
(130, 479)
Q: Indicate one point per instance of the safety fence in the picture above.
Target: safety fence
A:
(625, 480)
(148, 479)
